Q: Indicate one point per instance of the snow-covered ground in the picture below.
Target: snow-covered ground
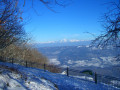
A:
(16, 77)
(95, 62)
(54, 61)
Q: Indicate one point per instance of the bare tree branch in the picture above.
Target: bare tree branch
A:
(11, 27)
(111, 35)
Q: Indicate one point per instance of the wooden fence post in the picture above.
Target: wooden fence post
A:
(95, 78)
(4, 59)
(67, 71)
(44, 68)
(12, 60)
(26, 64)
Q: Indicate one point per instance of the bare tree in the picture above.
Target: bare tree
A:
(11, 27)
(111, 34)
(50, 4)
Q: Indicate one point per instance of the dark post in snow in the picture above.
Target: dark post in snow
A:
(26, 63)
(44, 68)
(12, 60)
(95, 78)
(4, 59)
(67, 72)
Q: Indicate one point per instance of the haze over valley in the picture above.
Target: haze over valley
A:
(79, 55)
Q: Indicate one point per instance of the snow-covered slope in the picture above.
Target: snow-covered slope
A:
(16, 77)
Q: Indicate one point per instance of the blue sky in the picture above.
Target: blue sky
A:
(71, 22)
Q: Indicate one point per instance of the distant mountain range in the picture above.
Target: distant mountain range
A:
(62, 43)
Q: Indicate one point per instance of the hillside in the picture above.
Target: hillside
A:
(16, 77)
